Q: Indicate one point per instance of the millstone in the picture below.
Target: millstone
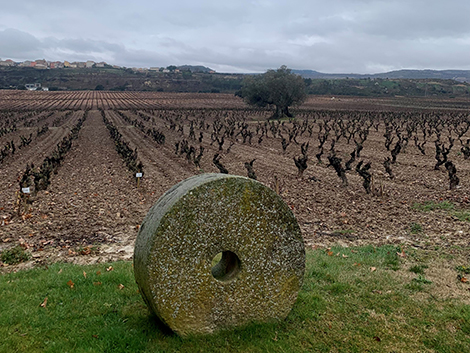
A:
(257, 238)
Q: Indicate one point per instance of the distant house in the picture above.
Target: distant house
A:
(56, 65)
(40, 66)
(66, 64)
(33, 64)
(7, 62)
(32, 86)
(154, 69)
(100, 64)
(26, 63)
(41, 62)
(89, 64)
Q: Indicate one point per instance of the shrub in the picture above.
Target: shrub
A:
(15, 255)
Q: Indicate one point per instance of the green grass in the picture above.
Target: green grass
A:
(463, 269)
(14, 255)
(415, 228)
(352, 300)
(461, 215)
(418, 269)
(431, 206)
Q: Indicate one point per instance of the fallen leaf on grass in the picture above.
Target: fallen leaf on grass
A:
(372, 269)
(377, 338)
(44, 303)
(330, 253)
(377, 291)
(95, 336)
(356, 264)
(70, 284)
(463, 279)
(60, 271)
(401, 254)
(84, 274)
(97, 283)
(121, 286)
(98, 273)
(345, 256)
(86, 251)
(110, 268)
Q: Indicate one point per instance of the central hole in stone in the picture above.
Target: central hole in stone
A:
(225, 266)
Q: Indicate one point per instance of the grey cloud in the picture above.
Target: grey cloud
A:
(17, 44)
(334, 36)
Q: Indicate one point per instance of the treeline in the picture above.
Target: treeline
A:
(383, 87)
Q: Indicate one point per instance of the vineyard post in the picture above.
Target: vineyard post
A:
(24, 195)
(138, 176)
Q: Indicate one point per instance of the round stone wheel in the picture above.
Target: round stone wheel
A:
(218, 251)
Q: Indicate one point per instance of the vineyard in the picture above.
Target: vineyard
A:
(80, 170)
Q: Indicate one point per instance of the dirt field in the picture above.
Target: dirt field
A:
(92, 209)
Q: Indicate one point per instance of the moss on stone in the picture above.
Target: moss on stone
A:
(201, 217)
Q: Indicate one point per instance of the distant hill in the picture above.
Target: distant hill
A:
(193, 68)
(410, 83)
(457, 75)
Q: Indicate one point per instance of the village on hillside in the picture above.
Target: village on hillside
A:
(44, 64)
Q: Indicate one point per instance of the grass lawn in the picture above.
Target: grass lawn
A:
(365, 299)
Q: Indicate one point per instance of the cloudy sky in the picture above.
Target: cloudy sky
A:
(336, 36)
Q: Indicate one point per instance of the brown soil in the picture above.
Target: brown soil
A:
(93, 208)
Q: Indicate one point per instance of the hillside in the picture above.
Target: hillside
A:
(200, 79)
(189, 79)
(457, 75)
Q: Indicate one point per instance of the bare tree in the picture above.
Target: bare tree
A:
(453, 178)
(216, 161)
(301, 162)
(250, 170)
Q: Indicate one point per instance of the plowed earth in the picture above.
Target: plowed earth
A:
(92, 210)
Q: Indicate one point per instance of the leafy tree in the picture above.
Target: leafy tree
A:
(99, 88)
(279, 88)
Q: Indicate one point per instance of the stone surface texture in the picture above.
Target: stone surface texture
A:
(201, 217)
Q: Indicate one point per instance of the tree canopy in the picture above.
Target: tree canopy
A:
(278, 88)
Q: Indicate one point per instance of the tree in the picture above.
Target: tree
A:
(279, 88)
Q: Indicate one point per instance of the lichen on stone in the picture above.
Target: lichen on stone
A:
(210, 214)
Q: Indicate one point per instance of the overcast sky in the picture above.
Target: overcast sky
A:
(335, 36)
